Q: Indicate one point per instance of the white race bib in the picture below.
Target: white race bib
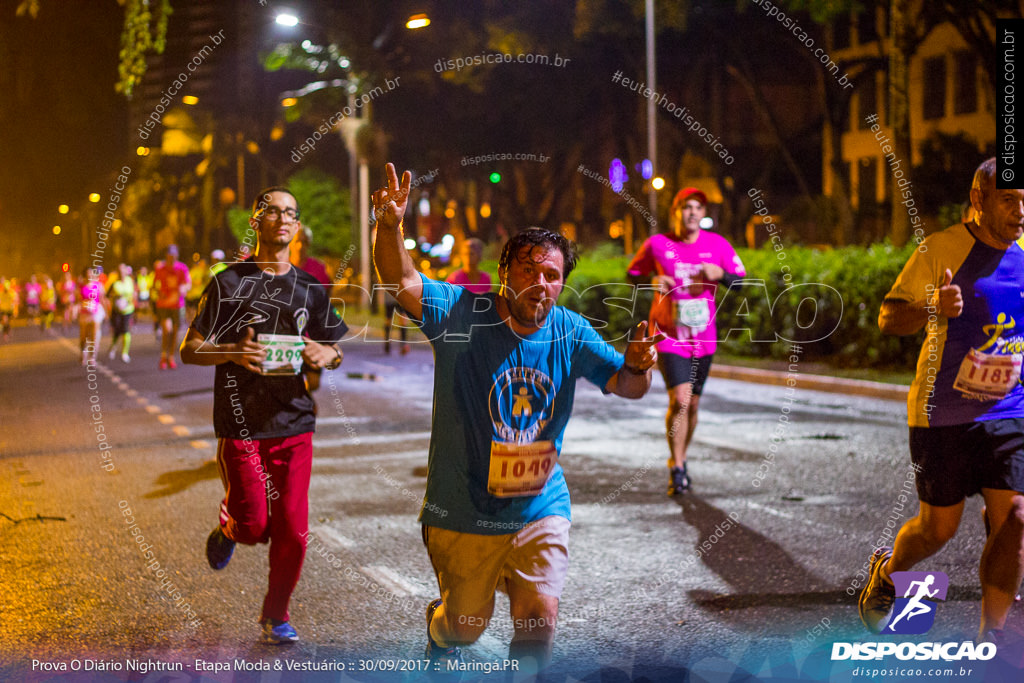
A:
(692, 313)
(987, 377)
(284, 353)
(520, 469)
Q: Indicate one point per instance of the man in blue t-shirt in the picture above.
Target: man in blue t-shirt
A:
(496, 511)
(966, 405)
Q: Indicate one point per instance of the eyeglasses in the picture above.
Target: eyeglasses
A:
(273, 212)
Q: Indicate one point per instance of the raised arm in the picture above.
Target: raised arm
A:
(394, 265)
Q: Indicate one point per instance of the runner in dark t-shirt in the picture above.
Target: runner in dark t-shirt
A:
(258, 322)
(244, 297)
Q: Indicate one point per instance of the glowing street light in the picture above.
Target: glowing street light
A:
(63, 208)
(56, 230)
(142, 151)
(417, 21)
(287, 19)
(94, 197)
(658, 183)
(289, 101)
(190, 99)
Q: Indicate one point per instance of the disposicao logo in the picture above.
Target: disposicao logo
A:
(912, 614)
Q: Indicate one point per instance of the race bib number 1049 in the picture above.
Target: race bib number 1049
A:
(520, 469)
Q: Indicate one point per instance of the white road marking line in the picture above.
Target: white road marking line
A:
(340, 420)
(371, 439)
(373, 457)
(378, 367)
(332, 537)
(725, 443)
(814, 525)
(393, 581)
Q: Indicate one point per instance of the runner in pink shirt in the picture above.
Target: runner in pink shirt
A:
(687, 265)
(33, 290)
(91, 315)
(469, 275)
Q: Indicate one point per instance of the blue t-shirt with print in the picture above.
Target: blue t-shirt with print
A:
(493, 385)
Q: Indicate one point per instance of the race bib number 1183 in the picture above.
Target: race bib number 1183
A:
(987, 377)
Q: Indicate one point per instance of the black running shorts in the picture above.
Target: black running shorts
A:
(678, 370)
(960, 460)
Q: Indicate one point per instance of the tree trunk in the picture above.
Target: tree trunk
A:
(899, 106)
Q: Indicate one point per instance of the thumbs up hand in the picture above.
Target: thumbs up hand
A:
(948, 298)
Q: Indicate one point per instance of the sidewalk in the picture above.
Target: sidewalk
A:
(838, 385)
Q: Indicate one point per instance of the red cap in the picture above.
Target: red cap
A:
(688, 192)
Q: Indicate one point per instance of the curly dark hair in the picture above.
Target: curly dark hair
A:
(540, 237)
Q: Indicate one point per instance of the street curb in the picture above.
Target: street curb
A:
(837, 385)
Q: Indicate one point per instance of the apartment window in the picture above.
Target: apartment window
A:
(867, 103)
(867, 182)
(965, 83)
(934, 96)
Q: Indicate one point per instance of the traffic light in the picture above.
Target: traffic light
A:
(65, 267)
(495, 177)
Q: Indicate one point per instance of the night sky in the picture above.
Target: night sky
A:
(62, 126)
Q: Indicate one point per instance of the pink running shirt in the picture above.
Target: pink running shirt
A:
(686, 314)
(459, 277)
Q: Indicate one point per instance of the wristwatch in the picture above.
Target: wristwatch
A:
(337, 361)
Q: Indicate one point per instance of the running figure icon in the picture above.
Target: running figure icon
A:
(915, 607)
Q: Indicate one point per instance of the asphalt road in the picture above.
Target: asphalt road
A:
(751, 576)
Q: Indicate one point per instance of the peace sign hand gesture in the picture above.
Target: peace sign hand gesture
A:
(389, 202)
(641, 353)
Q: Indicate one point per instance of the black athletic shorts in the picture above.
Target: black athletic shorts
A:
(960, 460)
(120, 323)
(678, 370)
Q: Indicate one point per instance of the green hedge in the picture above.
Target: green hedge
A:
(827, 301)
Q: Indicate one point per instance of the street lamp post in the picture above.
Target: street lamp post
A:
(652, 143)
(358, 168)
